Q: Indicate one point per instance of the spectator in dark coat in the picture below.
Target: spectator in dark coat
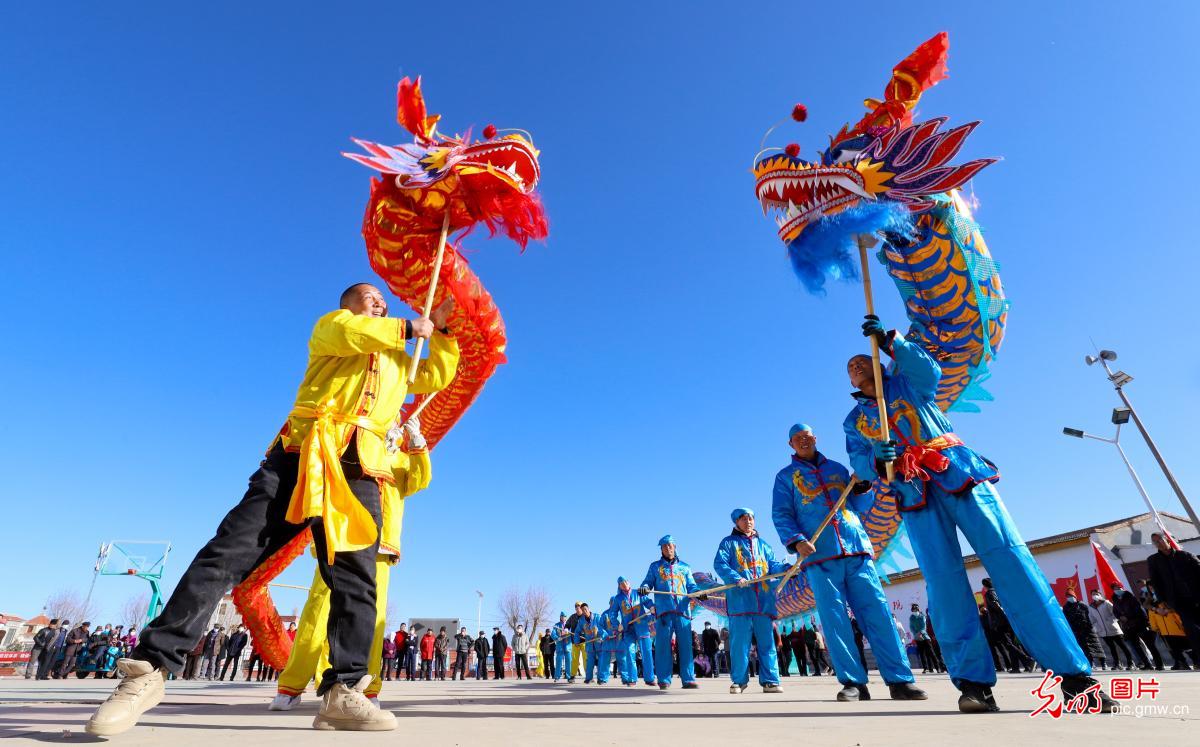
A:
(49, 660)
(41, 645)
(389, 658)
(1135, 626)
(233, 652)
(710, 643)
(547, 650)
(481, 653)
(499, 649)
(1080, 619)
(462, 652)
(75, 641)
(1175, 575)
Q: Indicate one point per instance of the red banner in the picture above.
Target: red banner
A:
(8, 657)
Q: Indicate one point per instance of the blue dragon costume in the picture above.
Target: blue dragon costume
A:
(892, 178)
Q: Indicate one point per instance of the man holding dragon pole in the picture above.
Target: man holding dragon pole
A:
(322, 472)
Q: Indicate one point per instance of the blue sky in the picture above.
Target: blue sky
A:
(174, 215)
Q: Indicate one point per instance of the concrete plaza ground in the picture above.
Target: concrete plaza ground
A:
(511, 712)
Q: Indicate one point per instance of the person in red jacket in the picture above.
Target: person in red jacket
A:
(401, 639)
(427, 642)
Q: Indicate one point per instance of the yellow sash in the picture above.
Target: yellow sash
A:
(321, 487)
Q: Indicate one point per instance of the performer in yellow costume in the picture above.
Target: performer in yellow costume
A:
(411, 473)
(320, 478)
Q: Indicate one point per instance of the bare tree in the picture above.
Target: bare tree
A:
(133, 612)
(67, 604)
(512, 607)
(537, 608)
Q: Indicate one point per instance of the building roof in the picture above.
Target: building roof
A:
(1064, 538)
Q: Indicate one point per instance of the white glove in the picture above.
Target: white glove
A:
(743, 582)
(412, 429)
(643, 590)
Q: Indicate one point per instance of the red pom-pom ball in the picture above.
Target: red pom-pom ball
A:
(792, 150)
(799, 112)
(489, 132)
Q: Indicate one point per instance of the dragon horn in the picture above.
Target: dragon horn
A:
(410, 109)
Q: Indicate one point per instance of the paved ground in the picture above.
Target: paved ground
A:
(469, 713)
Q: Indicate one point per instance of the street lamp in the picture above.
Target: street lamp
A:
(1119, 379)
(479, 611)
(1120, 416)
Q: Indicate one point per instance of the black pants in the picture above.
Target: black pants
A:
(1116, 643)
(818, 659)
(248, 535)
(1138, 636)
(231, 662)
(46, 662)
(1190, 617)
(410, 664)
(521, 661)
(801, 659)
(439, 665)
(498, 665)
(460, 665)
(426, 670)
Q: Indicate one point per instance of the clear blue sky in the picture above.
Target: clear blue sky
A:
(174, 215)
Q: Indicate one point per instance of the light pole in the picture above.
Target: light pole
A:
(1120, 416)
(479, 611)
(1119, 379)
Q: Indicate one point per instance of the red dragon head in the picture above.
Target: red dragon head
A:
(489, 181)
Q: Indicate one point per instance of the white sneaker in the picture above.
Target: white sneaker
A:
(284, 702)
(349, 709)
(736, 689)
(141, 689)
(772, 688)
(374, 699)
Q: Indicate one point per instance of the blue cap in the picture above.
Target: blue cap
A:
(666, 539)
(740, 512)
(798, 428)
(562, 614)
(621, 580)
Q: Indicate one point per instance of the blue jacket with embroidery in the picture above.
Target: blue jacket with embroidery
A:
(634, 606)
(741, 557)
(562, 634)
(675, 577)
(805, 493)
(587, 630)
(612, 629)
(915, 420)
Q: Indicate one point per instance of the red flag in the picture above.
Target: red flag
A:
(1104, 572)
(1067, 584)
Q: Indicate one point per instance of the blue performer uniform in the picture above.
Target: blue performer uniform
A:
(841, 571)
(562, 648)
(945, 486)
(589, 634)
(751, 607)
(636, 613)
(672, 578)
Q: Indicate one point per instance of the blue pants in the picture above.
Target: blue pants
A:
(626, 663)
(673, 623)
(739, 654)
(647, 649)
(1024, 592)
(562, 660)
(853, 580)
(593, 662)
(605, 669)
